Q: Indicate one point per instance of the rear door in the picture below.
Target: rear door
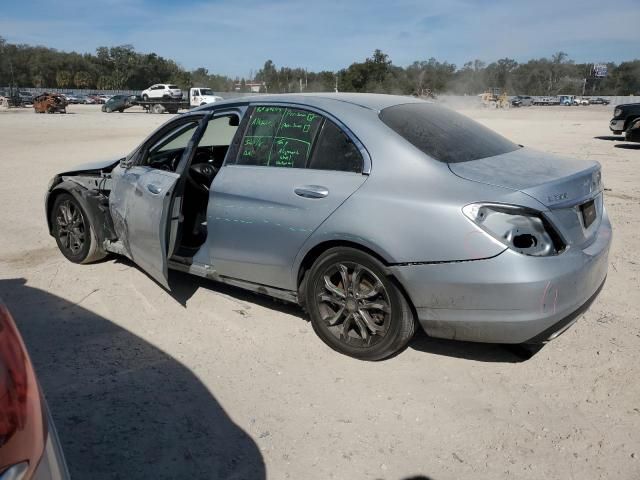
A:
(143, 195)
(292, 168)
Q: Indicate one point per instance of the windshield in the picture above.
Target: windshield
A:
(206, 91)
(443, 134)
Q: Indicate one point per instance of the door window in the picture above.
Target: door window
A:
(219, 131)
(334, 150)
(165, 153)
(279, 137)
(215, 140)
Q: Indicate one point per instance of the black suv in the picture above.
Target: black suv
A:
(623, 117)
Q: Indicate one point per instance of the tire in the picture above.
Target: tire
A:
(108, 109)
(145, 97)
(378, 319)
(80, 245)
(157, 108)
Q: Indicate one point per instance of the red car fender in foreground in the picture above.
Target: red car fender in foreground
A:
(23, 424)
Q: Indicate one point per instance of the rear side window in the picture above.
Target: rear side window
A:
(444, 134)
(173, 87)
(334, 150)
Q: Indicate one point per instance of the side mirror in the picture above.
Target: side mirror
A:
(234, 121)
(125, 163)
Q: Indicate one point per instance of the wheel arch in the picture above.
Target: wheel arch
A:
(314, 253)
(92, 205)
(631, 119)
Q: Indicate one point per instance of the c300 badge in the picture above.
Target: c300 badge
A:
(557, 197)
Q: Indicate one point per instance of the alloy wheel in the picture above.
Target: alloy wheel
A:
(71, 228)
(353, 304)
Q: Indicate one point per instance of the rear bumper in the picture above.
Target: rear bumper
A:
(511, 298)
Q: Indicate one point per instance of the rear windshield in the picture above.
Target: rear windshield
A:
(444, 134)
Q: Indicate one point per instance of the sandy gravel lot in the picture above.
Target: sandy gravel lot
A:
(211, 382)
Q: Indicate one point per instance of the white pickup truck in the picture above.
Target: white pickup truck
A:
(201, 96)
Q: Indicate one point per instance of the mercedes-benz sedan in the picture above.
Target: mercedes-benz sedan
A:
(376, 213)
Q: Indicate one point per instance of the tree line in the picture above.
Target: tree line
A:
(123, 68)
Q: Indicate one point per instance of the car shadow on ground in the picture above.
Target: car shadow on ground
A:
(611, 138)
(183, 286)
(480, 352)
(123, 408)
(629, 146)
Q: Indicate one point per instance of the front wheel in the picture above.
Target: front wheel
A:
(73, 232)
(355, 308)
(145, 97)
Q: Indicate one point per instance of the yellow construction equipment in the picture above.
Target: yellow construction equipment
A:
(494, 98)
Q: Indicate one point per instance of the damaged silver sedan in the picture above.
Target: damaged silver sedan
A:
(376, 213)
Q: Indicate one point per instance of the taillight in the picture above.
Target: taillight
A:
(13, 381)
(22, 424)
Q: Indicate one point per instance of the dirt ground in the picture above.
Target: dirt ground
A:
(212, 382)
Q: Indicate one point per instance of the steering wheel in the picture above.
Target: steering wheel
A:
(200, 176)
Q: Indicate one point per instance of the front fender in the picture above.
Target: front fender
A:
(94, 204)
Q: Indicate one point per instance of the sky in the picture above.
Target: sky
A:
(235, 38)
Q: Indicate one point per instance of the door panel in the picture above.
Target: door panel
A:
(139, 203)
(258, 223)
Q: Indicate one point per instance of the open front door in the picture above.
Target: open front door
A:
(143, 198)
(144, 203)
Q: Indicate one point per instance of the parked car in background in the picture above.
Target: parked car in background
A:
(581, 101)
(521, 101)
(118, 103)
(599, 101)
(72, 98)
(623, 117)
(162, 90)
(50, 103)
(85, 100)
(96, 98)
(29, 445)
(298, 197)
(26, 97)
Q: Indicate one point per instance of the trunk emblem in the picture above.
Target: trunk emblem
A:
(557, 197)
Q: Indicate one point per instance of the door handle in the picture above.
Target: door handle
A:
(311, 191)
(154, 189)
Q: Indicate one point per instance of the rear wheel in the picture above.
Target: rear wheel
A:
(73, 232)
(145, 97)
(157, 108)
(355, 308)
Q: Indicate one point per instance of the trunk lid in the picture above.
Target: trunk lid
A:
(566, 186)
(552, 180)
